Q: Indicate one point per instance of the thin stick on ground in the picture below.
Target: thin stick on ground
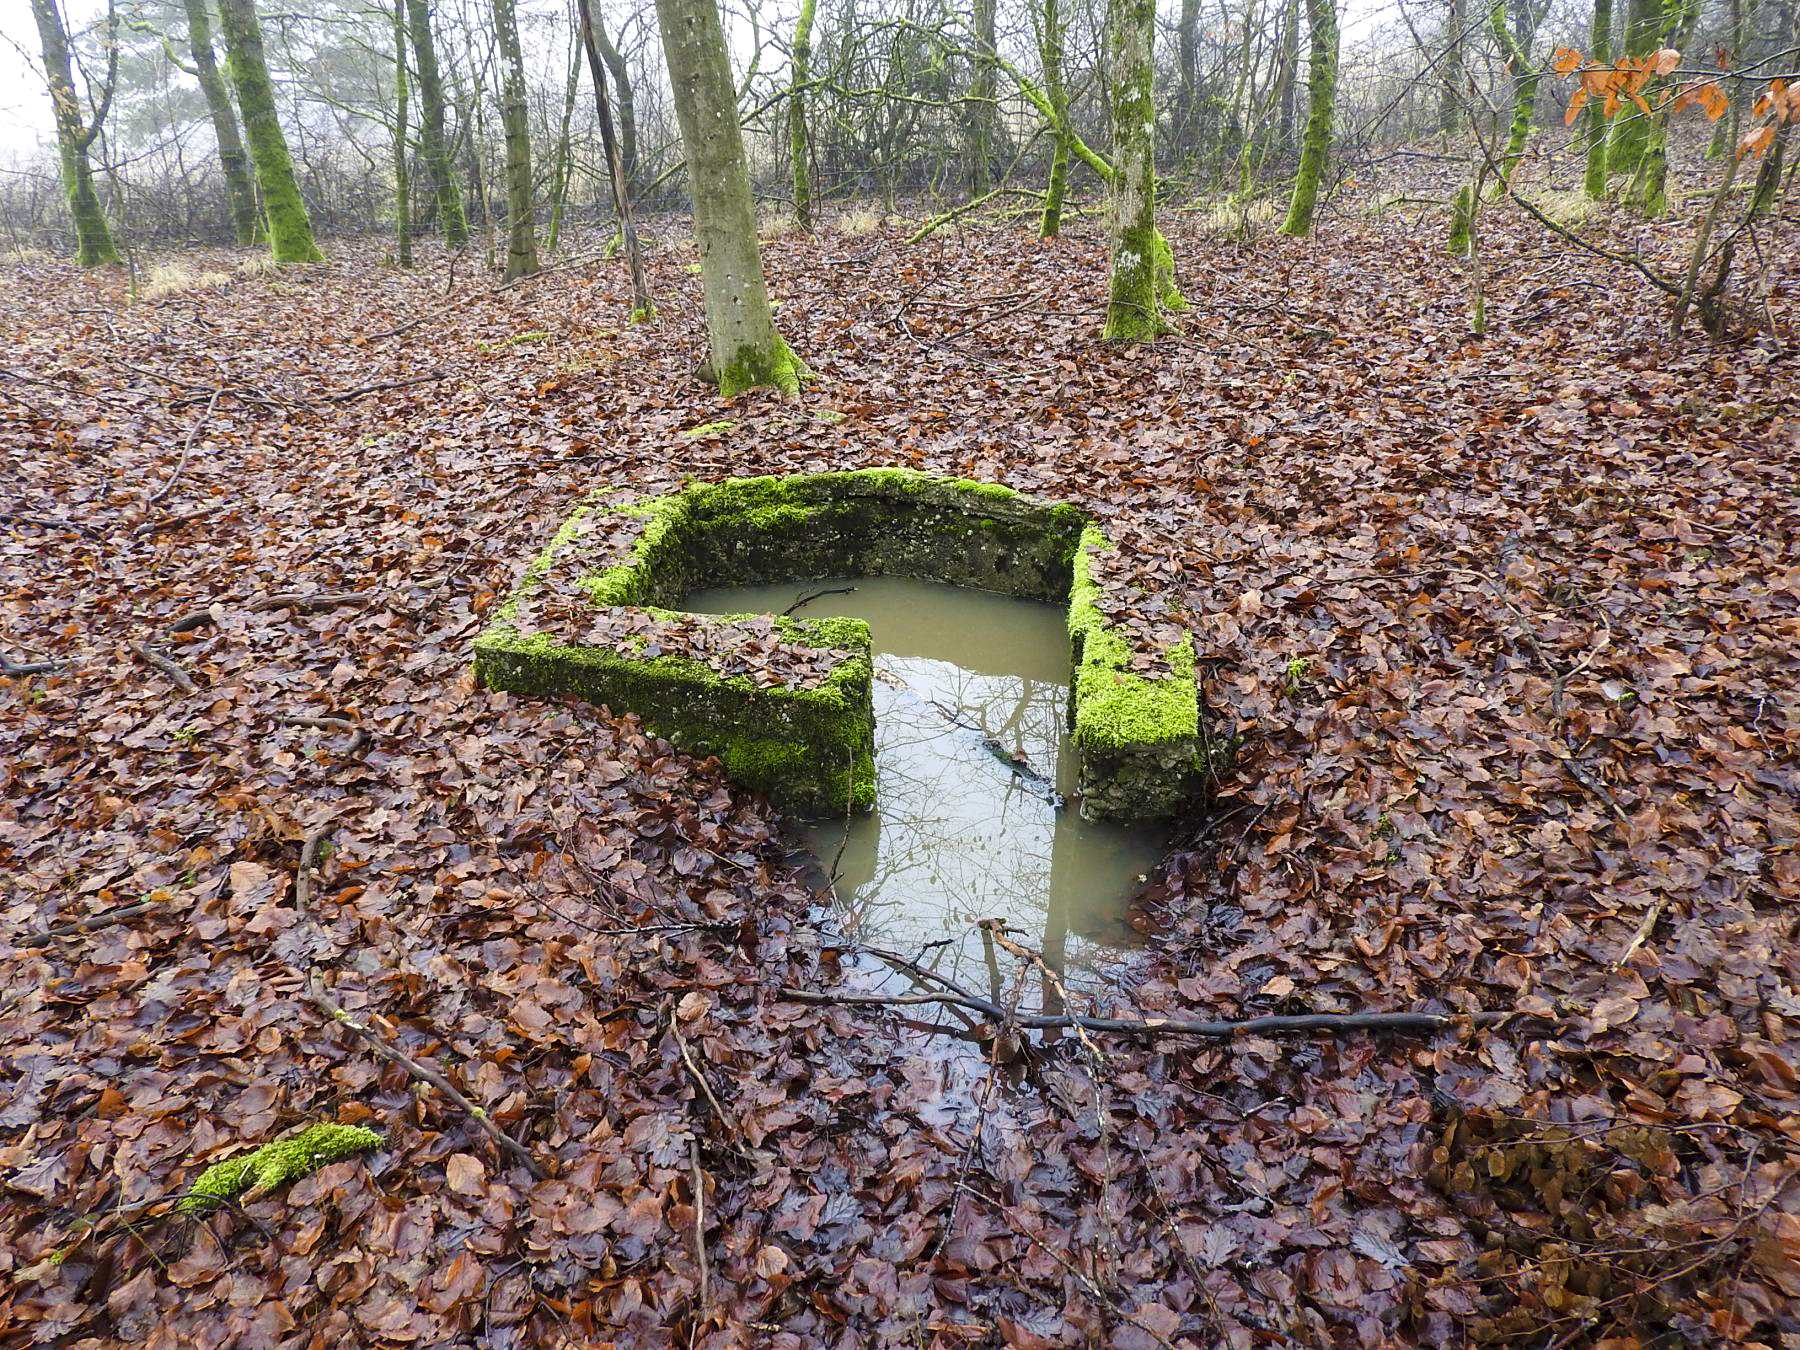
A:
(429, 1076)
(309, 852)
(179, 677)
(1296, 1024)
(90, 923)
(187, 448)
(699, 1184)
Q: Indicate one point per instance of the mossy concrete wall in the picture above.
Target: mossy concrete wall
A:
(786, 703)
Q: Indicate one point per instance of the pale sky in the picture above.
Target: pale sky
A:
(25, 105)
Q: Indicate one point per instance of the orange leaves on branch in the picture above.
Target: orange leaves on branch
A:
(1708, 97)
(1663, 62)
(1756, 140)
(1566, 61)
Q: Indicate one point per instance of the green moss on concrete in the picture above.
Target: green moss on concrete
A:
(1138, 735)
(276, 1164)
(809, 746)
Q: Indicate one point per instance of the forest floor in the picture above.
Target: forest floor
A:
(1507, 626)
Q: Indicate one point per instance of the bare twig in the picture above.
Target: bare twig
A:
(1298, 1024)
(176, 674)
(187, 448)
(8, 666)
(309, 852)
(351, 394)
(429, 1076)
(811, 596)
(94, 921)
(700, 1224)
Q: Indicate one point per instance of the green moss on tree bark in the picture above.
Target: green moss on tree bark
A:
(1600, 41)
(1315, 141)
(1142, 284)
(434, 144)
(290, 231)
(93, 240)
(746, 348)
(515, 124)
(798, 148)
(240, 187)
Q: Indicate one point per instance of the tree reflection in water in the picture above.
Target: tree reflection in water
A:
(956, 836)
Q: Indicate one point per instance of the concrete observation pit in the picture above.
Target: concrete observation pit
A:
(785, 703)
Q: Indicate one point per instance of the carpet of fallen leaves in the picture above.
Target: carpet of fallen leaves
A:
(1506, 629)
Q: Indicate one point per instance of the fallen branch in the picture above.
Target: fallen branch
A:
(309, 852)
(700, 1224)
(308, 603)
(302, 601)
(1299, 1024)
(187, 448)
(93, 921)
(431, 1077)
(358, 737)
(175, 673)
(350, 394)
(8, 666)
(811, 596)
(50, 522)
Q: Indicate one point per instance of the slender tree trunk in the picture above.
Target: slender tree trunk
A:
(434, 145)
(1056, 90)
(1517, 47)
(561, 171)
(981, 111)
(240, 188)
(93, 240)
(290, 231)
(624, 95)
(515, 123)
(1600, 40)
(798, 148)
(747, 351)
(1187, 65)
(643, 308)
(1450, 98)
(1652, 182)
(403, 250)
(1142, 286)
(1321, 19)
(1290, 65)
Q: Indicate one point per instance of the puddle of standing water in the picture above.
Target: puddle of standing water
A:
(971, 761)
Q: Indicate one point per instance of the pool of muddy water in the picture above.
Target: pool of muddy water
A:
(972, 764)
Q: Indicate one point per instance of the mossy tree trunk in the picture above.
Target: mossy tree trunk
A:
(1056, 90)
(1631, 129)
(1515, 34)
(561, 170)
(798, 148)
(1322, 66)
(403, 250)
(983, 123)
(240, 187)
(747, 351)
(515, 125)
(434, 144)
(1600, 53)
(642, 307)
(93, 240)
(1651, 184)
(1450, 96)
(1142, 286)
(290, 231)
